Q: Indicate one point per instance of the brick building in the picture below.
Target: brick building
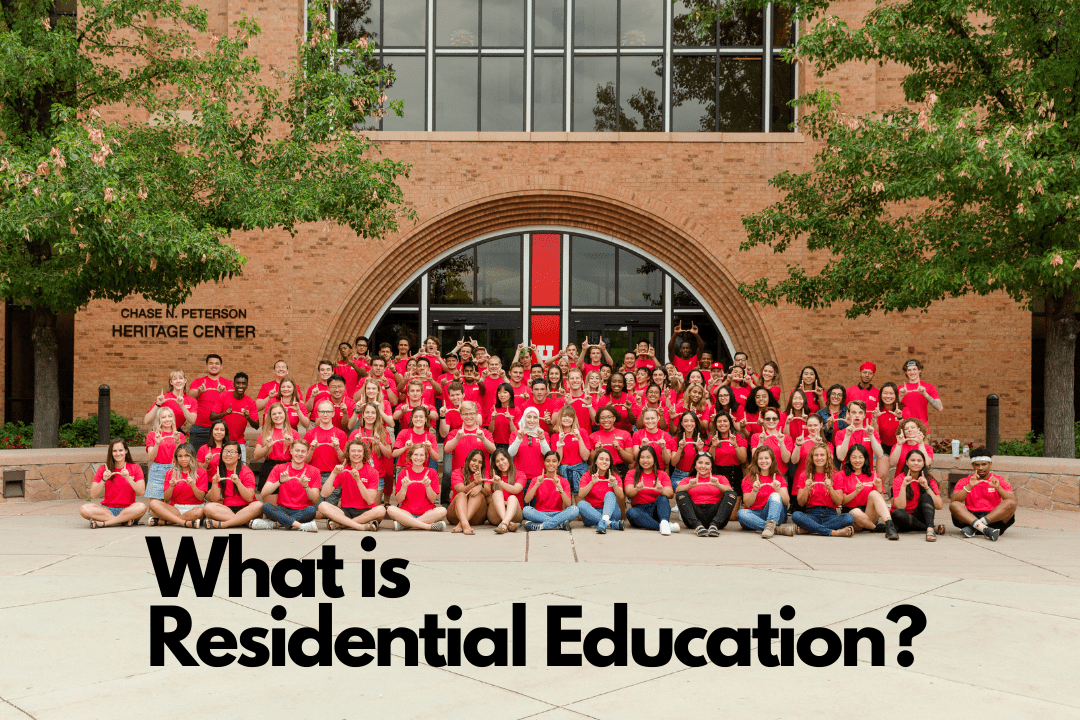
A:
(597, 193)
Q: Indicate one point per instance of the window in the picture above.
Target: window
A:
(631, 66)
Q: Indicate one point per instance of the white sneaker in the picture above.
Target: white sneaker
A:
(674, 527)
(261, 524)
(438, 526)
(398, 526)
(665, 527)
(309, 526)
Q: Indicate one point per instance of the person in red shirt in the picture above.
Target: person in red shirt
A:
(653, 399)
(507, 492)
(370, 393)
(864, 493)
(287, 394)
(795, 414)
(548, 503)
(818, 492)
(918, 396)
(765, 494)
(705, 501)
(689, 439)
(772, 436)
(911, 436)
(522, 390)
(207, 390)
(416, 435)
(601, 495)
(916, 497)
(185, 408)
(572, 445)
(492, 378)
(232, 500)
(728, 449)
(621, 403)
(268, 392)
(749, 417)
(648, 489)
(813, 434)
(546, 405)
(504, 416)
(811, 387)
(742, 361)
(864, 390)
(358, 484)
(385, 379)
(740, 385)
(644, 356)
(418, 489)
(121, 480)
(347, 370)
(886, 417)
(469, 491)
(651, 435)
(326, 444)
(983, 502)
(726, 402)
(275, 439)
(321, 390)
(185, 488)
(414, 399)
(378, 438)
(615, 440)
(685, 355)
(210, 452)
(470, 436)
(237, 410)
(856, 432)
(770, 380)
(161, 443)
(530, 444)
(400, 362)
(297, 487)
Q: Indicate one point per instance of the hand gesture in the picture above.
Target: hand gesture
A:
(273, 391)
(757, 485)
(334, 441)
(775, 484)
(160, 397)
(994, 482)
(107, 475)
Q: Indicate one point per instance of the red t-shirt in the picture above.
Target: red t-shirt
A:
(293, 412)
(348, 480)
(819, 494)
(690, 451)
(279, 448)
(658, 439)
(812, 405)
(805, 446)
(774, 443)
(665, 416)
(649, 493)
(519, 479)
(916, 491)
(915, 403)
(292, 493)
(571, 452)
(457, 477)
(410, 437)
(763, 493)
(867, 396)
(616, 438)
(173, 403)
(645, 362)
(118, 491)
(684, 365)
(265, 390)
(548, 497)
(740, 393)
(726, 453)
(209, 455)
(547, 409)
(982, 497)
(705, 493)
(506, 422)
(490, 395)
(887, 425)
(529, 458)
(467, 444)
(182, 494)
(623, 406)
(452, 416)
(581, 404)
(324, 454)
(343, 411)
(167, 449)
(231, 496)
(848, 482)
(522, 395)
(859, 437)
(209, 398)
(905, 450)
(235, 421)
(796, 426)
(352, 378)
(319, 391)
(416, 501)
(603, 486)
(383, 465)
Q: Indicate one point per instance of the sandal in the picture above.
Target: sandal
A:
(512, 527)
(95, 524)
(372, 526)
(189, 524)
(211, 524)
(132, 522)
(939, 529)
(154, 522)
(500, 528)
(331, 525)
(846, 532)
(931, 536)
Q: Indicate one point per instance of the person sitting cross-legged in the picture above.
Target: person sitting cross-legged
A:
(983, 502)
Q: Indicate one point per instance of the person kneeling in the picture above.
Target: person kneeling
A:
(599, 494)
(983, 502)
(359, 483)
(705, 500)
(553, 508)
(821, 497)
(185, 487)
(297, 487)
(233, 496)
(469, 492)
(416, 495)
(121, 480)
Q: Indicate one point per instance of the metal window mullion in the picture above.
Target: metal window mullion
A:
(669, 321)
(669, 41)
(424, 300)
(766, 114)
(568, 96)
(526, 285)
(565, 291)
(430, 51)
(528, 64)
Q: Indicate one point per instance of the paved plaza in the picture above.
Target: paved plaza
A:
(1002, 635)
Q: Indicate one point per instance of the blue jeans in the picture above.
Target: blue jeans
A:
(772, 512)
(549, 519)
(821, 520)
(678, 476)
(573, 474)
(649, 516)
(286, 516)
(591, 516)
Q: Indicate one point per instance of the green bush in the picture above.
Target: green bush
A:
(80, 433)
(16, 435)
(1032, 445)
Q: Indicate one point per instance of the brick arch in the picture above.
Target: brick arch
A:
(654, 227)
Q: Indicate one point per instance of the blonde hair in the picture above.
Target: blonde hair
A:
(157, 420)
(380, 427)
(563, 412)
(702, 405)
(173, 374)
(266, 432)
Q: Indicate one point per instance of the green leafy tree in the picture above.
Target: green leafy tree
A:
(969, 188)
(201, 141)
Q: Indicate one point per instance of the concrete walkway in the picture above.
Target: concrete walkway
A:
(1002, 635)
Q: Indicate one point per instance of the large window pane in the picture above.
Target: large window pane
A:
(409, 87)
(502, 94)
(641, 93)
(640, 282)
(682, 297)
(498, 280)
(503, 23)
(693, 93)
(457, 23)
(393, 327)
(455, 93)
(595, 108)
(596, 23)
(642, 23)
(358, 19)
(740, 95)
(783, 28)
(410, 295)
(686, 31)
(548, 99)
(451, 282)
(549, 23)
(710, 335)
(405, 23)
(592, 273)
(743, 28)
(783, 91)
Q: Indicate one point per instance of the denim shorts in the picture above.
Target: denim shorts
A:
(115, 511)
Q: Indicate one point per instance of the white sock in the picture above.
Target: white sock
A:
(607, 518)
(979, 524)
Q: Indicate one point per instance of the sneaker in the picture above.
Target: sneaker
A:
(564, 525)
(532, 526)
(702, 531)
(967, 531)
(665, 527)
(714, 531)
(309, 527)
(619, 525)
(787, 530)
(438, 526)
(674, 527)
(398, 526)
(602, 526)
(991, 533)
(890, 531)
(769, 531)
(261, 524)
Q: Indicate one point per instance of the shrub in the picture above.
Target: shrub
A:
(15, 435)
(82, 432)
(1031, 445)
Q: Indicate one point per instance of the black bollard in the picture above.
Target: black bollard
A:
(993, 434)
(104, 415)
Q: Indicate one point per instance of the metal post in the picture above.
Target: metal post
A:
(993, 434)
(103, 415)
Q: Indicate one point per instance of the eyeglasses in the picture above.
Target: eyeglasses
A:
(326, 412)
(229, 452)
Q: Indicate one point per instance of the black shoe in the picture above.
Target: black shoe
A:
(991, 532)
(890, 531)
(714, 531)
(701, 531)
(967, 531)
(879, 528)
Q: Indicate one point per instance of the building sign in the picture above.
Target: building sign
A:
(182, 330)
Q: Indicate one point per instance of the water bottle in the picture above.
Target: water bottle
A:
(956, 449)
(967, 451)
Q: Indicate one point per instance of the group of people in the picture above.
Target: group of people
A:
(541, 444)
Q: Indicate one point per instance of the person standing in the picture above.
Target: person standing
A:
(185, 408)
(207, 390)
(161, 444)
(864, 390)
(685, 356)
(918, 396)
(268, 392)
(326, 449)
(238, 411)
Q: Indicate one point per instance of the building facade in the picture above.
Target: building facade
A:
(579, 171)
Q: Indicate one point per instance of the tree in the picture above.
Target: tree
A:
(971, 187)
(205, 143)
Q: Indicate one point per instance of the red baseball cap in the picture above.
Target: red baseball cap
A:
(717, 366)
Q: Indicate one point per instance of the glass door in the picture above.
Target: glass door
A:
(619, 336)
(499, 333)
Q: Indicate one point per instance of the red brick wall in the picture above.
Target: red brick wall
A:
(680, 197)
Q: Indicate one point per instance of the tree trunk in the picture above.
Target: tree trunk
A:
(46, 380)
(1059, 373)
